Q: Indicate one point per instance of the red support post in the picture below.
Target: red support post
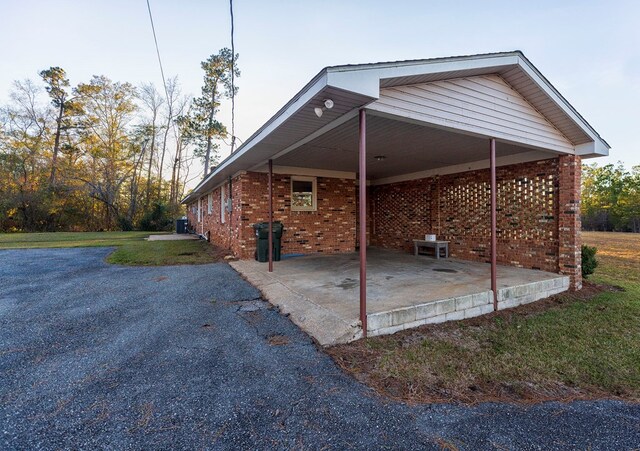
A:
(362, 191)
(494, 246)
(270, 183)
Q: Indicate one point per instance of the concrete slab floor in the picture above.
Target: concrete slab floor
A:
(394, 280)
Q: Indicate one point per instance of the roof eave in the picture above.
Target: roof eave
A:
(599, 147)
(308, 91)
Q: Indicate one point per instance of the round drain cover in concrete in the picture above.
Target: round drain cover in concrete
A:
(444, 270)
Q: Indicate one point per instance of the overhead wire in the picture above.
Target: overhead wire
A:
(233, 56)
(164, 80)
(155, 40)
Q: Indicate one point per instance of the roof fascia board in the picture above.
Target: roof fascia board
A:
(593, 149)
(188, 198)
(601, 148)
(304, 96)
(361, 82)
(215, 187)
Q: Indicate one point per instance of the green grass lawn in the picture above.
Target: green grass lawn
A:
(68, 239)
(131, 247)
(572, 346)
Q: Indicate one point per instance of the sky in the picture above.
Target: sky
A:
(589, 50)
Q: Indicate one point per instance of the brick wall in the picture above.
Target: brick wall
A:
(538, 215)
(456, 208)
(331, 228)
(225, 234)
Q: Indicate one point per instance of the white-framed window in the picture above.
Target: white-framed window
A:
(209, 203)
(303, 193)
(222, 204)
(199, 209)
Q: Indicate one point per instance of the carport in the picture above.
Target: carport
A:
(481, 151)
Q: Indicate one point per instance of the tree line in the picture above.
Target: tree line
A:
(611, 198)
(105, 155)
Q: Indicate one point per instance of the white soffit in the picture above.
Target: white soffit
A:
(405, 146)
(282, 133)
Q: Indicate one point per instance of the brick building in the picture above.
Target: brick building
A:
(422, 138)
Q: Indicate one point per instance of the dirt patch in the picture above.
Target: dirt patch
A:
(219, 254)
(278, 340)
(392, 365)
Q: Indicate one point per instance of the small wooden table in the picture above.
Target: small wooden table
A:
(436, 245)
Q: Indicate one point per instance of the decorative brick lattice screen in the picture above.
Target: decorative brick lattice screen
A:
(456, 208)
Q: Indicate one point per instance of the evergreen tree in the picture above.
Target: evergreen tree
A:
(202, 126)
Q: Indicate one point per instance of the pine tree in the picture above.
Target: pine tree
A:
(202, 125)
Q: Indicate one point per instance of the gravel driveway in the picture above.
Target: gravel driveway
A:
(97, 356)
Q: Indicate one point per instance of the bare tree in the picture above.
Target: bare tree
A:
(180, 122)
(152, 101)
(173, 93)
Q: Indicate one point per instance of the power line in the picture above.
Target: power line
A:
(164, 81)
(155, 39)
(233, 86)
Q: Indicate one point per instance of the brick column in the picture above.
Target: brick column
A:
(569, 224)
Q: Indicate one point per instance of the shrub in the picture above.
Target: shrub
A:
(589, 261)
(158, 219)
(126, 225)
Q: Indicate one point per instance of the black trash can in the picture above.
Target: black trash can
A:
(181, 225)
(262, 240)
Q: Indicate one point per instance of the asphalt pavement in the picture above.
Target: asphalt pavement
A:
(99, 356)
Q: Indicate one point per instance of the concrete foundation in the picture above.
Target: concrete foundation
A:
(321, 292)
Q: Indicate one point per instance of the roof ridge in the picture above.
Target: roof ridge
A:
(411, 62)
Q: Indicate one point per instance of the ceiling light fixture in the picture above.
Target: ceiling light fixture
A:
(328, 104)
(380, 157)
